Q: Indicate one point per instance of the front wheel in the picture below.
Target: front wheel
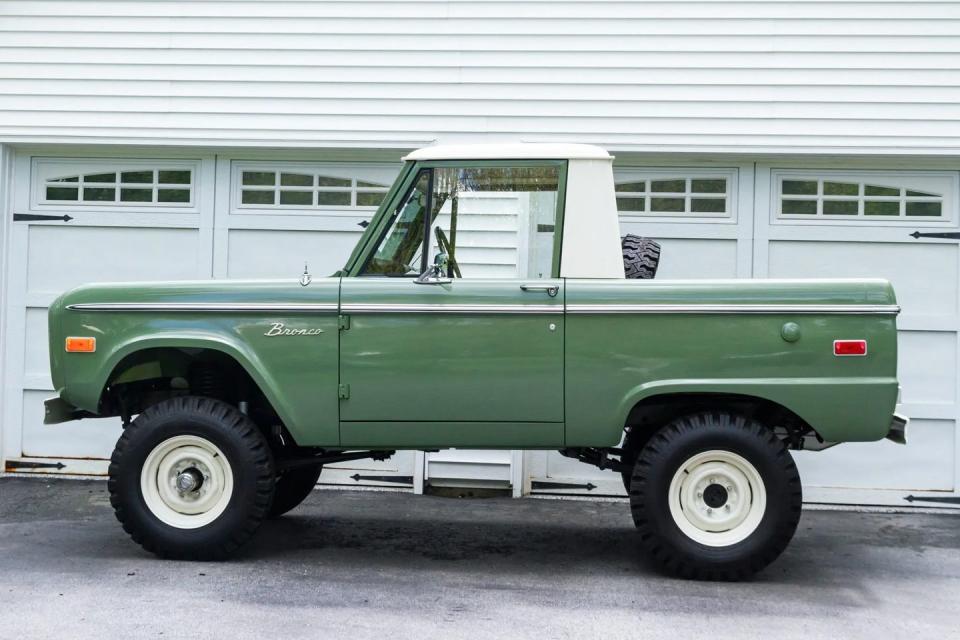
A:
(191, 478)
(715, 496)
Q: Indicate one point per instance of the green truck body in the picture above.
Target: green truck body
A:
(482, 363)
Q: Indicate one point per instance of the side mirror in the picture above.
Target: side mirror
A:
(436, 273)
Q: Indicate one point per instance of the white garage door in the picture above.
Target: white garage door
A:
(817, 222)
(164, 218)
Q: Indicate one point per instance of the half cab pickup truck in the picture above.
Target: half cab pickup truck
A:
(490, 303)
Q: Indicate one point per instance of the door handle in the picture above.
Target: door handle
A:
(551, 289)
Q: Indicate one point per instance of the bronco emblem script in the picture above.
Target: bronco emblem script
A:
(278, 329)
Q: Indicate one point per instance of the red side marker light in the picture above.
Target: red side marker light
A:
(849, 347)
(81, 345)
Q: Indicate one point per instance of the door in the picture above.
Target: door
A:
(474, 357)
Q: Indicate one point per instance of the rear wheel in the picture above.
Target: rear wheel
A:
(293, 487)
(715, 496)
(191, 478)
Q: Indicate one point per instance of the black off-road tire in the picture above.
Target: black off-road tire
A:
(672, 550)
(641, 257)
(242, 444)
(293, 487)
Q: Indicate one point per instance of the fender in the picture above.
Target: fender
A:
(864, 403)
(85, 394)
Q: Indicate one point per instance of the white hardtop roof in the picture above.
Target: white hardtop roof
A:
(516, 151)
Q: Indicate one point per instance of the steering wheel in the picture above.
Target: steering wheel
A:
(444, 243)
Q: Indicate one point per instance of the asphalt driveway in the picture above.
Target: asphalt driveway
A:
(390, 565)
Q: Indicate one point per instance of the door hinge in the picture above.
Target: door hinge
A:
(13, 465)
(397, 479)
(950, 235)
(343, 391)
(34, 217)
(539, 485)
(343, 322)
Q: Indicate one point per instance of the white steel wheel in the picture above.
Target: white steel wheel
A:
(717, 498)
(186, 482)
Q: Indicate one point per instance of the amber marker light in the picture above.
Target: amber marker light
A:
(81, 345)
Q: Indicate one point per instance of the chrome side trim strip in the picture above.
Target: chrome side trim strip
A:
(580, 309)
(806, 309)
(454, 308)
(228, 307)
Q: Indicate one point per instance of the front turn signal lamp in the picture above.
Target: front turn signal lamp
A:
(81, 345)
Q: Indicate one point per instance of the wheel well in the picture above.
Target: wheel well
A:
(650, 414)
(149, 376)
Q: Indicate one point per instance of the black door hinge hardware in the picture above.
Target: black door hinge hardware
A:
(951, 235)
(363, 223)
(27, 464)
(945, 500)
(537, 484)
(396, 479)
(36, 217)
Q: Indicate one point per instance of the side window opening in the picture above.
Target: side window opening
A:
(491, 221)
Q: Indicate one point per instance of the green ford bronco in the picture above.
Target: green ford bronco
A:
(491, 303)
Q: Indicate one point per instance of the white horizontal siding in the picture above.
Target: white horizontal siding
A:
(866, 76)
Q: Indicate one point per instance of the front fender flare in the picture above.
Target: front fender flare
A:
(86, 394)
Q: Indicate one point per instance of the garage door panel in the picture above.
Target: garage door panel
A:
(682, 258)
(927, 366)
(925, 464)
(923, 275)
(36, 351)
(78, 439)
(281, 254)
(63, 257)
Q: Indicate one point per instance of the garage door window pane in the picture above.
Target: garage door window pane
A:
(873, 197)
(98, 194)
(333, 198)
(370, 198)
(259, 178)
(173, 195)
(125, 187)
(136, 195)
(61, 193)
(296, 180)
(668, 186)
(840, 207)
(841, 189)
(257, 197)
(874, 208)
(707, 205)
(799, 187)
(709, 186)
(932, 209)
(800, 207)
(296, 197)
(100, 177)
(873, 190)
(666, 204)
(631, 204)
(136, 177)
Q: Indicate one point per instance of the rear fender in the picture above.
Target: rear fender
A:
(839, 409)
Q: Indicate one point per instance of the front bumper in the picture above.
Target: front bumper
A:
(898, 429)
(57, 410)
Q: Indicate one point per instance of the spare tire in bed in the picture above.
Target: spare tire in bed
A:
(641, 256)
